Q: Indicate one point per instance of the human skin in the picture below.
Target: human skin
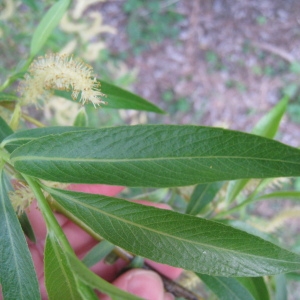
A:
(143, 283)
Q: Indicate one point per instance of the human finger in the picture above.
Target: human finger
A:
(142, 283)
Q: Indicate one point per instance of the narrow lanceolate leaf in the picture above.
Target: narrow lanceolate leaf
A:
(97, 253)
(20, 138)
(269, 123)
(7, 97)
(226, 288)
(281, 287)
(81, 119)
(256, 286)
(17, 275)
(292, 195)
(32, 4)
(179, 240)
(266, 127)
(155, 156)
(26, 227)
(47, 24)
(234, 188)
(15, 118)
(202, 195)
(59, 278)
(120, 99)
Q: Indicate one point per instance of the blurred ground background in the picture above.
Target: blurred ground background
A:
(217, 62)
(206, 62)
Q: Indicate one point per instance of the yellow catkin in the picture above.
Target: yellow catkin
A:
(60, 72)
(22, 197)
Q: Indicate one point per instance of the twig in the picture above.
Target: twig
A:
(170, 286)
(173, 287)
(275, 50)
(32, 120)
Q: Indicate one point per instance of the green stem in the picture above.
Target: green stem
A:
(5, 162)
(5, 84)
(2, 164)
(51, 222)
(4, 155)
(13, 77)
(32, 120)
(252, 198)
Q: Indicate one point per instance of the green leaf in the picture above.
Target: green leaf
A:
(96, 282)
(16, 116)
(7, 97)
(47, 25)
(32, 4)
(295, 276)
(234, 188)
(20, 138)
(268, 124)
(202, 195)
(81, 119)
(256, 286)
(250, 199)
(179, 240)
(118, 98)
(97, 253)
(281, 287)
(59, 279)
(266, 127)
(226, 288)
(86, 292)
(155, 156)
(5, 130)
(26, 227)
(292, 195)
(17, 275)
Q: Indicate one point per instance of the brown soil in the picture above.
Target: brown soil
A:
(244, 36)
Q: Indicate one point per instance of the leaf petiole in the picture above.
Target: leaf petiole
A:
(51, 222)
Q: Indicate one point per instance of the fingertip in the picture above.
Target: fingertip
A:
(103, 189)
(37, 221)
(145, 284)
(168, 296)
(142, 283)
(169, 271)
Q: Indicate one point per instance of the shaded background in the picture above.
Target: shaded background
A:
(206, 62)
(221, 63)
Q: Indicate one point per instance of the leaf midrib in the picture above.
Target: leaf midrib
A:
(60, 265)
(110, 160)
(160, 232)
(11, 242)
